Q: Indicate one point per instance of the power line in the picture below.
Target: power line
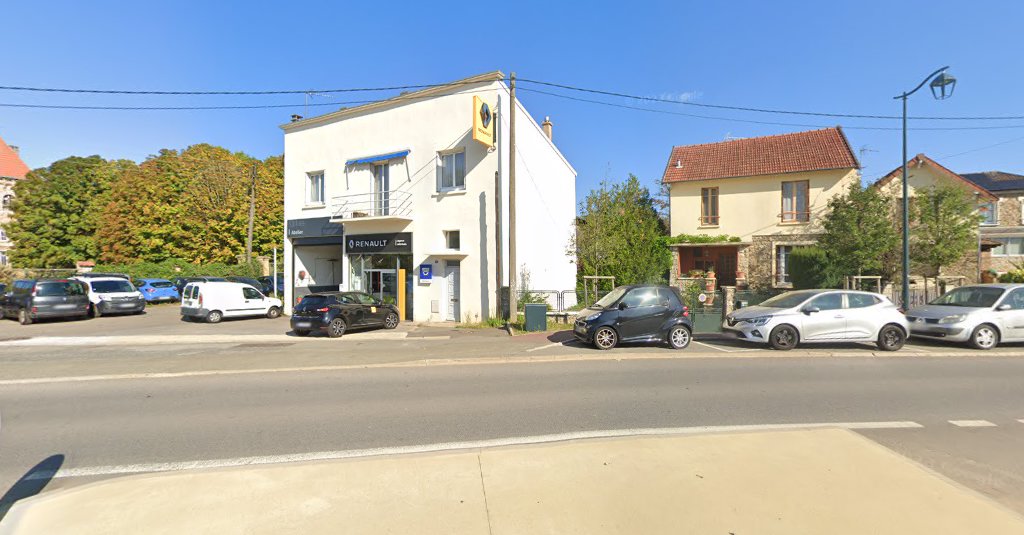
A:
(218, 107)
(245, 92)
(981, 148)
(773, 123)
(762, 110)
(530, 81)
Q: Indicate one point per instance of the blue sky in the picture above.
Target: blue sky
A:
(846, 57)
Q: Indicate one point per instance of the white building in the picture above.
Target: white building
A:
(397, 198)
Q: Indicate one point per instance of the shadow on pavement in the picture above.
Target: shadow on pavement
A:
(32, 483)
(559, 337)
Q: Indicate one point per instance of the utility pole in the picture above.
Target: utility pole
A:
(513, 297)
(497, 236)
(252, 215)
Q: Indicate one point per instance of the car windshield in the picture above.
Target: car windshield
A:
(610, 298)
(107, 287)
(161, 284)
(788, 299)
(56, 289)
(970, 296)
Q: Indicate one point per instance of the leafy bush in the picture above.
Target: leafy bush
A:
(810, 267)
(1016, 275)
(702, 238)
(176, 267)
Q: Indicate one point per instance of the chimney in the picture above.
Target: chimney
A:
(546, 126)
(15, 149)
(296, 117)
(679, 164)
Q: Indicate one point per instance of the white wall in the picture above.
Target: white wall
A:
(546, 189)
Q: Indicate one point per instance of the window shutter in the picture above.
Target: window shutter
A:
(440, 169)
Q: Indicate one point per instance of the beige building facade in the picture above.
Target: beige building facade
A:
(765, 196)
(12, 169)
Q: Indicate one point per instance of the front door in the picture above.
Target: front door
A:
(451, 277)
(829, 322)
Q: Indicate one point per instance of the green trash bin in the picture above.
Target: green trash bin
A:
(536, 317)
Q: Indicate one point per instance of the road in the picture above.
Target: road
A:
(960, 416)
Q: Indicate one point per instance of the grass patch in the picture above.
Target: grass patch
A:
(492, 323)
(552, 326)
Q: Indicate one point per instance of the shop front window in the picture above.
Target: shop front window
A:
(378, 275)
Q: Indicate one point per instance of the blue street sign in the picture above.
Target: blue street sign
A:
(426, 272)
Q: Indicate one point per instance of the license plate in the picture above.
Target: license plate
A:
(303, 324)
(64, 307)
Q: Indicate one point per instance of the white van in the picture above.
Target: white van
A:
(214, 301)
(112, 295)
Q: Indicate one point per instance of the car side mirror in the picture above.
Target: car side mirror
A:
(811, 310)
(1004, 306)
(623, 306)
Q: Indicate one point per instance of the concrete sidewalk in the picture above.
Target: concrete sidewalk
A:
(806, 481)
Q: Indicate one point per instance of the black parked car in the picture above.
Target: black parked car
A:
(248, 280)
(636, 314)
(180, 282)
(268, 284)
(337, 312)
(32, 299)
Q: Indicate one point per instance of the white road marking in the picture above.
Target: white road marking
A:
(556, 344)
(715, 347)
(446, 446)
(972, 423)
(1021, 420)
(205, 339)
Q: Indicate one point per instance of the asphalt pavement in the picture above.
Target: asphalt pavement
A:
(959, 416)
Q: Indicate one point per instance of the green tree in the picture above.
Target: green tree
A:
(619, 233)
(57, 210)
(810, 267)
(944, 227)
(860, 235)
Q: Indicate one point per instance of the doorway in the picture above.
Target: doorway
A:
(451, 291)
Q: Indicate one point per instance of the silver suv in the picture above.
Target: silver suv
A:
(981, 315)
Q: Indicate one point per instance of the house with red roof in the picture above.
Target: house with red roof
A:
(12, 169)
(761, 196)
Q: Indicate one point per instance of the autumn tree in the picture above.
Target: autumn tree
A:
(57, 211)
(193, 205)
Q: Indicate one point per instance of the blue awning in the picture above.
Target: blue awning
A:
(379, 158)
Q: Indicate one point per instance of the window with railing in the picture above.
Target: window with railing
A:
(796, 201)
(709, 206)
(381, 189)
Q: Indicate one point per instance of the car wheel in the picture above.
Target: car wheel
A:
(273, 312)
(300, 332)
(214, 316)
(391, 321)
(783, 338)
(679, 337)
(23, 317)
(891, 338)
(336, 328)
(605, 338)
(984, 337)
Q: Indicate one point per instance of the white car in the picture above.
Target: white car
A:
(214, 301)
(112, 295)
(808, 316)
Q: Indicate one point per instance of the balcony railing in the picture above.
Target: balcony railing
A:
(380, 204)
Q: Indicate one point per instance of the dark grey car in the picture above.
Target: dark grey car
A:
(32, 299)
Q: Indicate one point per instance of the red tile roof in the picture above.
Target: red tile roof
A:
(10, 163)
(922, 160)
(769, 155)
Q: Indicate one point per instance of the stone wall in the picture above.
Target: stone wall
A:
(761, 261)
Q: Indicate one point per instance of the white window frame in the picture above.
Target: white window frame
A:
(995, 213)
(4, 260)
(442, 170)
(1000, 238)
(3, 234)
(309, 202)
(777, 272)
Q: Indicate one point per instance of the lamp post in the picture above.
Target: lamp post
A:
(940, 81)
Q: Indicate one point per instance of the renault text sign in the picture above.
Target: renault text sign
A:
(483, 122)
(400, 242)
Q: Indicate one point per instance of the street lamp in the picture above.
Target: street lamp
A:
(942, 85)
